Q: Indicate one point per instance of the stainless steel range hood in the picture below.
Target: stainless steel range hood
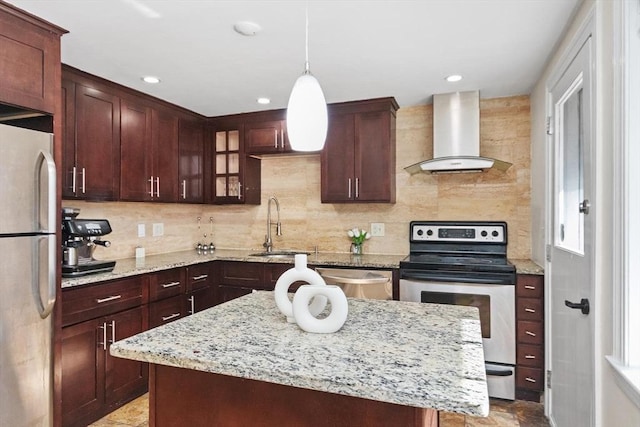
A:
(456, 137)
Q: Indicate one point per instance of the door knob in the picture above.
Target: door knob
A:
(584, 206)
(583, 305)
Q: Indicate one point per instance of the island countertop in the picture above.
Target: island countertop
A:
(412, 354)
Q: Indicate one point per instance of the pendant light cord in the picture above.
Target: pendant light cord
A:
(306, 39)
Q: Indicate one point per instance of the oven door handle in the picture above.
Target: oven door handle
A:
(507, 372)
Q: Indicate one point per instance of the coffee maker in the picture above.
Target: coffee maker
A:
(79, 239)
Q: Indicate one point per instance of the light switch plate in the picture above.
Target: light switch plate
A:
(158, 229)
(377, 229)
(141, 230)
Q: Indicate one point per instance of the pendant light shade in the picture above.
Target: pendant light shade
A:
(307, 109)
(307, 115)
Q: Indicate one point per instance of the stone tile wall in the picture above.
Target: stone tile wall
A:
(306, 223)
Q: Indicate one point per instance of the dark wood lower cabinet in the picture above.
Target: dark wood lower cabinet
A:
(94, 382)
(184, 397)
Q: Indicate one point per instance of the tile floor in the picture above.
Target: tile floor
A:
(503, 414)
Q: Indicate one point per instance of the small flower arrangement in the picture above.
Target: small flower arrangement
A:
(358, 236)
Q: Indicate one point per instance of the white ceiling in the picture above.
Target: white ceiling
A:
(358, 49)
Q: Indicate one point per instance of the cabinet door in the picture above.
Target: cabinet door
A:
(166, 284)
(200, 299)
(82, 361)
(266, 137)
(97, 122)
(30, 61)
(191, 161)
(236, 176)
(337, 167)
(68, 173)
(124, 377)
(229, 292)
(136, 180)
(165, 155)
(374, 158)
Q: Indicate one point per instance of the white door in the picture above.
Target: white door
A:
(571, 265)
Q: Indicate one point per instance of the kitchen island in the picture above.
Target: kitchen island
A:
(241, 363)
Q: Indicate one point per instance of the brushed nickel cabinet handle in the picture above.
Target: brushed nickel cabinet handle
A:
(111, 298)
(529, 356)
(73, 180)
(151, 186)
(529, 287)
(530, 333)
(184, 188)
(104, 335)
(530, 310)
(531, 380)
(170, 285)
(202, 276)
(157, 186)
(113, 331)
(84, 180)
(171, 316)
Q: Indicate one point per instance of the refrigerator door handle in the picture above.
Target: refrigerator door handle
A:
(43, 157)
(45, 309)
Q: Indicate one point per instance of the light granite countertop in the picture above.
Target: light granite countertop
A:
(413, 354)
(149, 264)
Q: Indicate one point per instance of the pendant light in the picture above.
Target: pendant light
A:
(307, 108)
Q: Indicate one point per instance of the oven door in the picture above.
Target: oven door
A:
(496, 304)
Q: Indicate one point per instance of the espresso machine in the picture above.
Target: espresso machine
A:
(79, 239)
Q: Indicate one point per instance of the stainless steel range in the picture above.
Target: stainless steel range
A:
(465, 263)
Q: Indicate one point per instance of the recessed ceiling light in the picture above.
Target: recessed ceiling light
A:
(247, 28)
(453, 78)
(151, 79)
(264, 101)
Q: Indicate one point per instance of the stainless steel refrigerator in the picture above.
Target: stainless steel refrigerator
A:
(27, 276)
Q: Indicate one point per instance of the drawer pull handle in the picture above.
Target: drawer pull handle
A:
(111, 298)
(531, 380)
(530, 310)
(531, 334)
(529, 356)
(533, 288)
(200, 277)
(171, 316)
(170, 285)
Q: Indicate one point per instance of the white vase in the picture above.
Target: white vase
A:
(307, 321)
(299, 273)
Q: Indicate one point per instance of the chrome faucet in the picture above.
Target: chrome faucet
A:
(268, 243)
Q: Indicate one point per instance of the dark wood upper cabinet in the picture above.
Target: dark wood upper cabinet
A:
(266, 133)
(164, 154)
(191, 160)
(29, 60)
(359, 158)
(234, 176)
(149, 153)
(91, 143)
(136, 180)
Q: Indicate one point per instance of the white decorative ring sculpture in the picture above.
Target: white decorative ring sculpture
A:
(299, 273)
(307, 320)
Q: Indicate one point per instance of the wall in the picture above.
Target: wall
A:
(306, 222)
(612, 406)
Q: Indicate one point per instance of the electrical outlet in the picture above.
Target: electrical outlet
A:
(141, 230)
(158, 229)
(377, 229)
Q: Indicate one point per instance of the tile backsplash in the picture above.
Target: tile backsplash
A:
(306, 223)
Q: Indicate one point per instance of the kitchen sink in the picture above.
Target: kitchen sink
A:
(278, 254)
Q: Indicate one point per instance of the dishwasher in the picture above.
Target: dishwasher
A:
(358, 283)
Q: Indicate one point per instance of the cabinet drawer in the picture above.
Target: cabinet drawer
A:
(165, 311)
(166, 284)
(529, 286)
(530, 355)
(198, 276)
(529, 309)
(530, 378)
(242, 273)
(530, 332)
(100, 299)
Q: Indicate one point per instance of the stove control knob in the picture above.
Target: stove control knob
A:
(429, 232)
(484, 233)
(495, 233)
(419, 232)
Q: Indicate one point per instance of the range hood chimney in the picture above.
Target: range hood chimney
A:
(456, 137)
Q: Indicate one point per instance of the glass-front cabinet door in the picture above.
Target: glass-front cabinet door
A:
(236, 177)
